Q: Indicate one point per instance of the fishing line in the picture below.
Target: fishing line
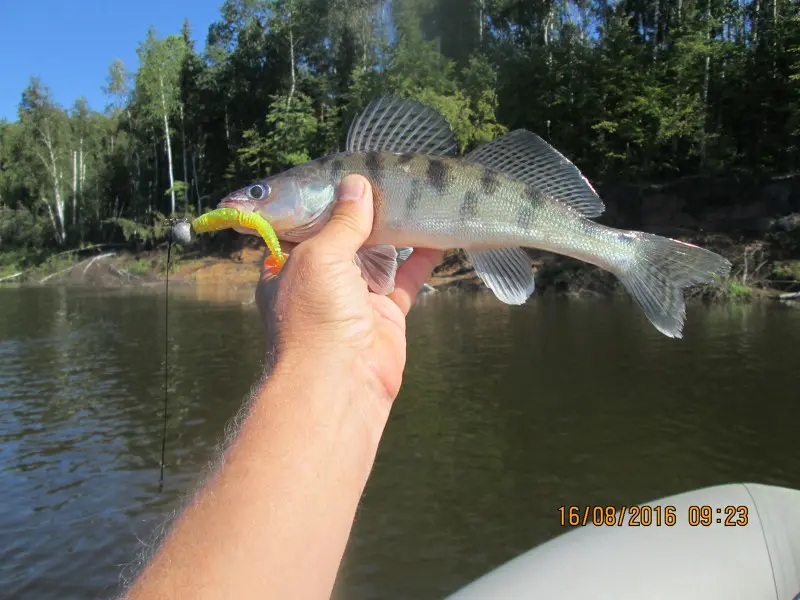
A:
(166, 366)
(180, 231)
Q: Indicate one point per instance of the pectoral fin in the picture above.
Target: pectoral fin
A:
(378, 266)
(505, 271)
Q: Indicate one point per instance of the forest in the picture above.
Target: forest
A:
(629, 90)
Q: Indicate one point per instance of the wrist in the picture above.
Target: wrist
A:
(335, 387)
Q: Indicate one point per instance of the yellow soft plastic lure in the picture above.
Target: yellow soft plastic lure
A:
(225, 218)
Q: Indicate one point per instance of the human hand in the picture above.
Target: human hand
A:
(320, 307)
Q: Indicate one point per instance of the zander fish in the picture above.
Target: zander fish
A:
(513, 193)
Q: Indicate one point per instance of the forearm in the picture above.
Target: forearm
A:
(274, 520)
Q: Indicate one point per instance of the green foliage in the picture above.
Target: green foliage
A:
(139, 266)
(786, 270)
(468, 102)
(158, 78)
(739, 291)
(19, 228)
(629, 91)
(179, 188)
(291, 126)
(142, 233)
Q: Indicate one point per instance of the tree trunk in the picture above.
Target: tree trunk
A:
(227, 125)
(196, 187)
(292, 66)
(774, 38)
(81, 180)
(81, 168)
(774, 20)
(480, 22)
(56, 234)
(51, 165)
(755, 23)
(706, 81)
(548, 28)
(655, 29)
(135, 181)
(188, 189)
(169, 150)
(74, 186)
(59, 207)
(157, 174)
(740, 26)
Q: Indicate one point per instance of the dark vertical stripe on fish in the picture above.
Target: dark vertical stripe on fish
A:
(337, 169)
(374, 164)
(413, 198)
(437, 174)
(325, 160)
(525, 212)
(489, 182)
(405, 158)
(469, 205)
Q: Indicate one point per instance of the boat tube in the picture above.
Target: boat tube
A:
(734, 541)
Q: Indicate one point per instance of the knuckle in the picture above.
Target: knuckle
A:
(349, 221)
(309, 258)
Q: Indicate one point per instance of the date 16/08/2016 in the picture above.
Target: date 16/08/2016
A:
(655, 515)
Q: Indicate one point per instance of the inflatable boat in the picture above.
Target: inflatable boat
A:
(735, 541)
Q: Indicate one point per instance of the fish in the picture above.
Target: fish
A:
(514, 193)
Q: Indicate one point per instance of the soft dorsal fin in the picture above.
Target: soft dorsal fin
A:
(527, 157)
(391, 124)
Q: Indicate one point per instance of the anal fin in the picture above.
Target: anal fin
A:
(403, 255)
(505, 271)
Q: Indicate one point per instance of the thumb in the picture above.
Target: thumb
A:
(351, 222)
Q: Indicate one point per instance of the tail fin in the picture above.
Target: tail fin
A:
(660, 270)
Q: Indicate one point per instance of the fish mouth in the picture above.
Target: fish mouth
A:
(237, 203)
(242, 205)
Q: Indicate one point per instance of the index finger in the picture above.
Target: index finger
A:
(267, 289)
(266, 273)
(412, 275)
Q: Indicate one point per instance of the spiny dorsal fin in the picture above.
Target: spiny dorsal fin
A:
(527, 157)
(391, 124)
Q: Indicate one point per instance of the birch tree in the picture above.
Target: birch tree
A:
(46, 128)
(79, 123)
(158, 88)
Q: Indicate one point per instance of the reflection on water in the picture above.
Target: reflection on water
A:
(505, 414)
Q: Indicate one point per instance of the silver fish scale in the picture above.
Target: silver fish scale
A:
(439, 202)
(511, 216)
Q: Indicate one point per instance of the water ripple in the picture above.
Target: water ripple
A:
(505, 413)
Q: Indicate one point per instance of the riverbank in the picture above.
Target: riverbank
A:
(755, 274)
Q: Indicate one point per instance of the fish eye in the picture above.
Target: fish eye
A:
(258, 191)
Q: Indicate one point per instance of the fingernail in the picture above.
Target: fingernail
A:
(351, 189)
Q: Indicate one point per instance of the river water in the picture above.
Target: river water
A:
(505, 414)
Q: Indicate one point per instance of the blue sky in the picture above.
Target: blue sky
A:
(69, 44)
